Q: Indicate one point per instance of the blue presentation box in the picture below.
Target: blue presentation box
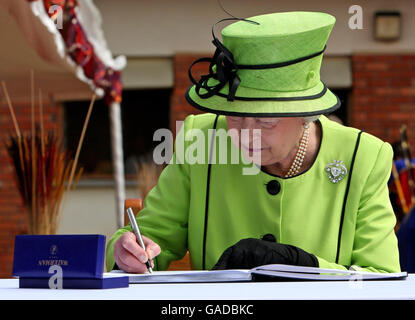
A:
(79, 256)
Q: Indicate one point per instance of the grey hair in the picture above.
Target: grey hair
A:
(311, 118)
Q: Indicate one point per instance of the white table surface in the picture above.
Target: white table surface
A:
(329, 290)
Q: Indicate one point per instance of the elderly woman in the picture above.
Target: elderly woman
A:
(319, 197)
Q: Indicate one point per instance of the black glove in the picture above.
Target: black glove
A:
(250, 253)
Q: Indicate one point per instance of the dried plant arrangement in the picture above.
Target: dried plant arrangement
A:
(44, 170)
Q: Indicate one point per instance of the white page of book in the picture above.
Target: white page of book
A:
(273, 271)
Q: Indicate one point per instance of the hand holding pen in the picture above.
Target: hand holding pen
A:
(137, 233)
(132, 254)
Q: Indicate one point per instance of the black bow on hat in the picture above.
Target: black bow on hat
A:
(222, 68)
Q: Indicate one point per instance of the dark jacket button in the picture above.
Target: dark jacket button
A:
(273, 187)
(269, 237)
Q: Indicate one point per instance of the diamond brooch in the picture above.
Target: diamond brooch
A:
(336, 171)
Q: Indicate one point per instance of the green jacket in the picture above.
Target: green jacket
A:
(207, 208)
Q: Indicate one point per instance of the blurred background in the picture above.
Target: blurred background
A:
(369, 63)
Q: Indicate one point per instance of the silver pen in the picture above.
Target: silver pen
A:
(137, 232)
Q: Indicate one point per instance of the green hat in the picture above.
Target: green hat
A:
(267, 66)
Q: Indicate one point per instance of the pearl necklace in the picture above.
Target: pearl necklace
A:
(299, 157)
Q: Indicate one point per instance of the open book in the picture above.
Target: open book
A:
(271, 272)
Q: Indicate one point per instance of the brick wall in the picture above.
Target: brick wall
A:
(383, 96)
(12, 213)
(179, 107)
